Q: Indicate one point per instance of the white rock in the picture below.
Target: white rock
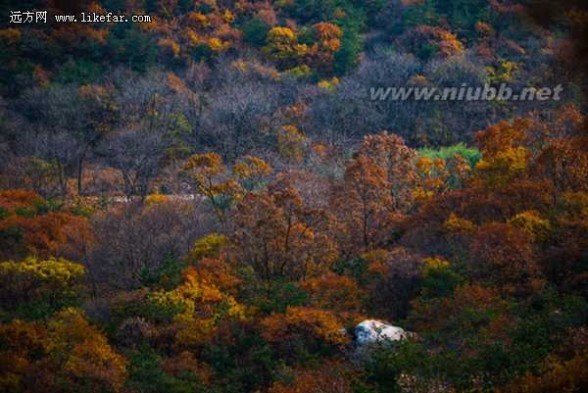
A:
(373, 330)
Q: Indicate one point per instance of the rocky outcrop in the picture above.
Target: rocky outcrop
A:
(374, 331)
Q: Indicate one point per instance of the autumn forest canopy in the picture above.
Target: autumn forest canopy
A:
(213, 201)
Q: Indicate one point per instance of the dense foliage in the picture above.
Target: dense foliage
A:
(210, 202)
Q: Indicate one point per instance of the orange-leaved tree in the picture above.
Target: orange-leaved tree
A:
(67, 354)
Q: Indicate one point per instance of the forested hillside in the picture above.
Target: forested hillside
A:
(212, 201)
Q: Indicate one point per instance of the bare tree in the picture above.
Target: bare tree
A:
(133, 239)
(52, 116)
(240, 117)
(139, 155)
(138, 148)
(62, 125)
